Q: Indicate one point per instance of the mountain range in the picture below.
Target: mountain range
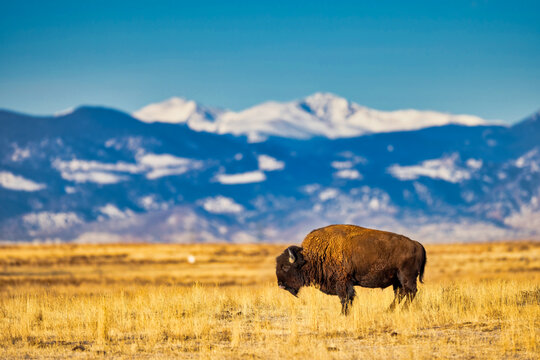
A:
(178, 171)
(321, 114)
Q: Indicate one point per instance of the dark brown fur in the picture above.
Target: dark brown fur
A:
(338, 257)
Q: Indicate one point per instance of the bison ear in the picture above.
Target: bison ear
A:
(292, 258)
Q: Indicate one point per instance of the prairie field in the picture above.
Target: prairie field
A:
(219, 301)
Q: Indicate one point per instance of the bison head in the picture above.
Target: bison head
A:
(288, 269)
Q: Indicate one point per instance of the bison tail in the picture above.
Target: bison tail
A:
(422, 264)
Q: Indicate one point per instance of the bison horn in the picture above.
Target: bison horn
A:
(292, 258)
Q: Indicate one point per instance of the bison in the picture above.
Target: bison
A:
(338, 257)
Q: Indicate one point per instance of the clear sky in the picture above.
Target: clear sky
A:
(478, 57)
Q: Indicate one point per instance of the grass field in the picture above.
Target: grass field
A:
(148, 301)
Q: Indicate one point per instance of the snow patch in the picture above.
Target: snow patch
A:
(311, 188)
(443, 168)
(222, 230)
(242, 178)
(76, 165)
(475, 163)
(154, 165)
(530, 160)
(221, 205)
(19, 154)
(328, 194)
(113, 212)
(131, 143)
(98, 177)
(528, 216)
(157, 173)
(149, 202)
(162, 160)
(166, 165)
(11, 181)
(64, 112)
(374, 204)
(48, 221)
(82, 171)
(342, 164)
(351, 174)
(423, 193)
(269, 163)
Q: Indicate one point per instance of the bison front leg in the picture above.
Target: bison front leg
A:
(346, 295)
(399, 294)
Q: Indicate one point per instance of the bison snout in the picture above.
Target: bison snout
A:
(294, 292)
(291, 290)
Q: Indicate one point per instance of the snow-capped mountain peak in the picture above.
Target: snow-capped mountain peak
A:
(178, 110)
(320, 114)
(173, 110)
(328, 107)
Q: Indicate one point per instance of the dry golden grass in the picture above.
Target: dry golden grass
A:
(147, 301)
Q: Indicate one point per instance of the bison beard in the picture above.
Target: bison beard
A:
(338, 257)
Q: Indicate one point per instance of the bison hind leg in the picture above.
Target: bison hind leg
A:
(409, 286)
(410, 294)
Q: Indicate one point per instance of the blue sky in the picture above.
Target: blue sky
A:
(477, 57)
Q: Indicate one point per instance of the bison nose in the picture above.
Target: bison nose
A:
(281, 286)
